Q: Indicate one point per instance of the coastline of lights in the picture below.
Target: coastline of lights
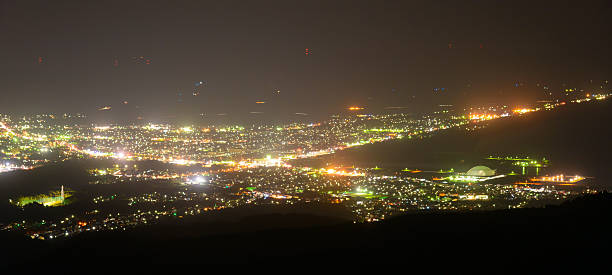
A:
(335, 172)
(355, 108)
(559, 179)
(7, 167)
(482, 117)
(464, 178)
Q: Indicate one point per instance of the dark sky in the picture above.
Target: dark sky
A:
(369, 53)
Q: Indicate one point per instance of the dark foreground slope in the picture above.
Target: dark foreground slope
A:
(577, 229)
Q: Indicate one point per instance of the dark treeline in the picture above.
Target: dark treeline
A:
(577, 228)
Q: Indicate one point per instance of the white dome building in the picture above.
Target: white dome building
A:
(480, 171)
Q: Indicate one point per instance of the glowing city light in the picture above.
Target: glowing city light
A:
(523, 110)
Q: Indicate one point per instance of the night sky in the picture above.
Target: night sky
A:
(368, 53)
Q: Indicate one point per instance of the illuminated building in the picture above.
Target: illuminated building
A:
(523, 110)
(478, 117)
(480, 171)
(197, 179)
(471, 197)
(52, 199)
(475, 174)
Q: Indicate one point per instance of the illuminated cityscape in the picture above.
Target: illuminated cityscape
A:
(237, 166)
(465, 133)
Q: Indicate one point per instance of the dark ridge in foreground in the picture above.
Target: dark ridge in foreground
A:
(577, 228)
